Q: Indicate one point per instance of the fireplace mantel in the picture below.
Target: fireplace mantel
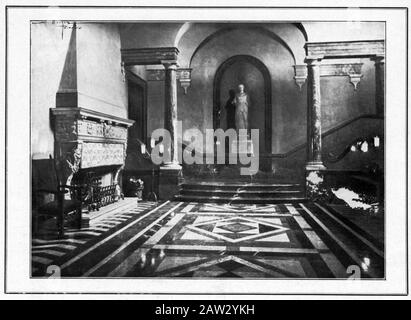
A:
(88, 139)
(91, 114)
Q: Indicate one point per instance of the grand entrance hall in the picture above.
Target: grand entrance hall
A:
(207, 150)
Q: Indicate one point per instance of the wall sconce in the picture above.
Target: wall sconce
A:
(364, 146)
(376, 141)
(143, 148)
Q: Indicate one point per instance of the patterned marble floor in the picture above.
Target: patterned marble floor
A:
(181, 239)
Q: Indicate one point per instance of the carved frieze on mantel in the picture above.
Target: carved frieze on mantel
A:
(101, 154)
(90, 128)
(115, 132)
(76, 123)
(183, 76)
(100, 130)
(86, 138)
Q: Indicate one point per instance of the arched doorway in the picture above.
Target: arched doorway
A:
(255, 76)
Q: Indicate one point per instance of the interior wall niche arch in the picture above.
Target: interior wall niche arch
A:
(218, 104)
(256, 28)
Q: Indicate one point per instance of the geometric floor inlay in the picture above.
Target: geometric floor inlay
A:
(205, 240)
(231, 267)
(237, 229)
(240, 208)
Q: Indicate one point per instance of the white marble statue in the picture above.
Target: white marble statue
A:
(242, 102)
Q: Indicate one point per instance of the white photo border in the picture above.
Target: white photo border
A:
(18, 161)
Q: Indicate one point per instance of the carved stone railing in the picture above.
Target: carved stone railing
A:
(86, 139)
(324, 134)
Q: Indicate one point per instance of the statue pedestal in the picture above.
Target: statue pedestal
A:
(169, 180)
(242, 146)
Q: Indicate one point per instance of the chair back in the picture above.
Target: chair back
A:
(55, 172)
(43, 178)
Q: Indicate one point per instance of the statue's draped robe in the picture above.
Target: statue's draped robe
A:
(241, 111)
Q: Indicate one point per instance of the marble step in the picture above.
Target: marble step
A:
(251, 200)
(243, 193)
(234, 186)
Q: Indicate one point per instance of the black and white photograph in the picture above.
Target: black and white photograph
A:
(206, 150)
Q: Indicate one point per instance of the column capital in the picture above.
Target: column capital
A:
(378, 59)
(313, 60)
(169, 64)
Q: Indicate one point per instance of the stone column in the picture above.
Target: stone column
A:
(314, 116)
(171, 171)
(379, 84)
(170, 117)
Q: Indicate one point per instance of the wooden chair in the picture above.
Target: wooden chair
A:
(62, 209)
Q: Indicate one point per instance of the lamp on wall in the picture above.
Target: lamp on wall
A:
(364, 146)
(143, 148)
(376, 141)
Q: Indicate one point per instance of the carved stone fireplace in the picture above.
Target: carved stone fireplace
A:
(89, 145)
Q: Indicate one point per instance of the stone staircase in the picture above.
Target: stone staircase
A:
(226, 191)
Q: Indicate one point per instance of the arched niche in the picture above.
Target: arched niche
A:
(196, 107)
(218, 103)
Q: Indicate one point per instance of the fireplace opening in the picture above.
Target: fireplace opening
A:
(100, 187)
